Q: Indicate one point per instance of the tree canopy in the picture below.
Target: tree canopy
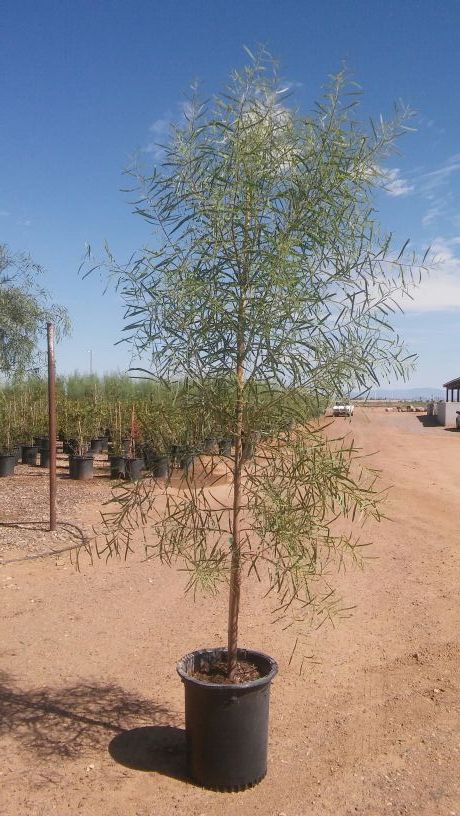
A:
(258, 206)
(25, 309)
(267, 281)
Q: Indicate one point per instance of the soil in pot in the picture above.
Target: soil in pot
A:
(7, 463)
(226, 723)
(81, 467)
(29, 455)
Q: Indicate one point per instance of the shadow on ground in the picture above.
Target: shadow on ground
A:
(428, 421)
(66, 722)
(159, 748)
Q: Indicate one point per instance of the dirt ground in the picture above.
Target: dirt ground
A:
(91, 708)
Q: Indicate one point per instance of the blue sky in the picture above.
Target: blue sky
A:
(85, 84)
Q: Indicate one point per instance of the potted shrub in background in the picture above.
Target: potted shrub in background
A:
(81, 461)
(270, 293)
(8, 452)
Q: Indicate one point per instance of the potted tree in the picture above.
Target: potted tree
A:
(270, 292)
(8, 452)
(81, 461)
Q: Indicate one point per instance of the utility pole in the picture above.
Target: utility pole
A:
(91, 361)
(52, 422)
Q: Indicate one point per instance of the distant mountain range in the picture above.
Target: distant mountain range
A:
(422, 393)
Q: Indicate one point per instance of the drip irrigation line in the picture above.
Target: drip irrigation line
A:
(72, 529)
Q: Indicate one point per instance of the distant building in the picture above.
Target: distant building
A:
(447, 410)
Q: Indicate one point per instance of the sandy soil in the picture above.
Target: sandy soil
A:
(91, 706)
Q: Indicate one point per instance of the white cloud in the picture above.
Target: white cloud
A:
(160, 127)
(160, 130)
(439, 290)
(435, 178)
(395, 185)
(4, 213)
(432, 214)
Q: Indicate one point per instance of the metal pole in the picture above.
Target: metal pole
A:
(52, 423)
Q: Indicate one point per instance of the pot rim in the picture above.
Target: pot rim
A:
(242, 653)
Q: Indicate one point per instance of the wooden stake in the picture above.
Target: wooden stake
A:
(52, 423)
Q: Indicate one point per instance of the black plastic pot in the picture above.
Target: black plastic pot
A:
(29, 454)
(226, 725)
(160, 467)
(117, 466)
(45, 457)
(134, 468)
(187, 462)
(149, 453)
(81, 467)
(96, 446)
(7, 463)
(225, 447)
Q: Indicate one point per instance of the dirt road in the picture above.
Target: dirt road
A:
(91, 707)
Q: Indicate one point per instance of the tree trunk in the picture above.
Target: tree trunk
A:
(235, 569)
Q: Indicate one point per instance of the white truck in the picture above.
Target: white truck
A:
(342, 409)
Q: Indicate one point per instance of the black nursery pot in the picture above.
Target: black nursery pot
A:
(187, 462)
(29, 454)
(227, 725)
(7, 463)
(149, 453)
(160, 466)
(117, 467)
(45, 457)
(134, 468)
(81, 467)
(96, 445)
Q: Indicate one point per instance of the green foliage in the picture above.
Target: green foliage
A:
(268, 288)
(25, 309)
